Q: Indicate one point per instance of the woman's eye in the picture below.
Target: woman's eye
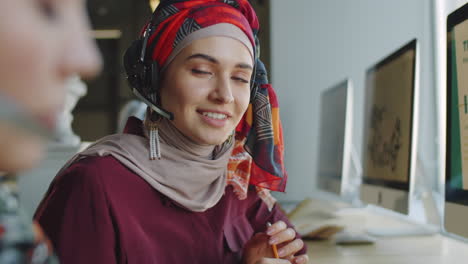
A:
(240, 79)
(195, 71)
(48, 9)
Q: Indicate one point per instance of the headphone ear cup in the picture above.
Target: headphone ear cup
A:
(134, 68)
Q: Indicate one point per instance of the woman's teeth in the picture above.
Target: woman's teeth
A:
(215, 115)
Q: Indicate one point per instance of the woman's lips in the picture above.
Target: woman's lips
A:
(214, 118)
(201, 111)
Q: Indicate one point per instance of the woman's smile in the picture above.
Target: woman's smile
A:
(214, 118)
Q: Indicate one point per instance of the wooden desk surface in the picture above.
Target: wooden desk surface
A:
(435, 249)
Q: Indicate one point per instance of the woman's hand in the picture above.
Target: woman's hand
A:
(258, 250)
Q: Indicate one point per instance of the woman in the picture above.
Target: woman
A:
(180, 187)
(43, 43)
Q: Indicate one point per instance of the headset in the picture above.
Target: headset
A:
(143, 74)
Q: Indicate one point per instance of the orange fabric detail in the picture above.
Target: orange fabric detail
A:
(276, 125)
(249, 115)
(239, 170)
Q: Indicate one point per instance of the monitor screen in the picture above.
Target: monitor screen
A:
(388, 133)
(335, 129)
(456, 185)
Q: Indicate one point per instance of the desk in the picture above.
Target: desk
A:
(424, 249)
(435, 249)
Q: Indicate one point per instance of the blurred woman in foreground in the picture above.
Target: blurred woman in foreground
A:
(43, 43)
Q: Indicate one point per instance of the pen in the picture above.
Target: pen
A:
(273, 247)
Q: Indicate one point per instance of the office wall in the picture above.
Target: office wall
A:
(315, 44)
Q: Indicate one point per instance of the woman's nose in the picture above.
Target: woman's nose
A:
(223, 91)
(81, 55)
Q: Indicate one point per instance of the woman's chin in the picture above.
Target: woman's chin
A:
(214, 140)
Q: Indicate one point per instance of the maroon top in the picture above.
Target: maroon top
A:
(98, 211)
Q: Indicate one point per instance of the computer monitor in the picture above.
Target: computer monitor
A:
(456, 176)
(389, 143)
(335, 138)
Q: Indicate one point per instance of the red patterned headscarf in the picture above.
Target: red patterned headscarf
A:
(258, 155)
(174, 20)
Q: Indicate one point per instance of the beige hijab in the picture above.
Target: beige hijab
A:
(192, 175)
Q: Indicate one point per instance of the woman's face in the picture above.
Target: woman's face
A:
(43, 42)
(207, 87)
